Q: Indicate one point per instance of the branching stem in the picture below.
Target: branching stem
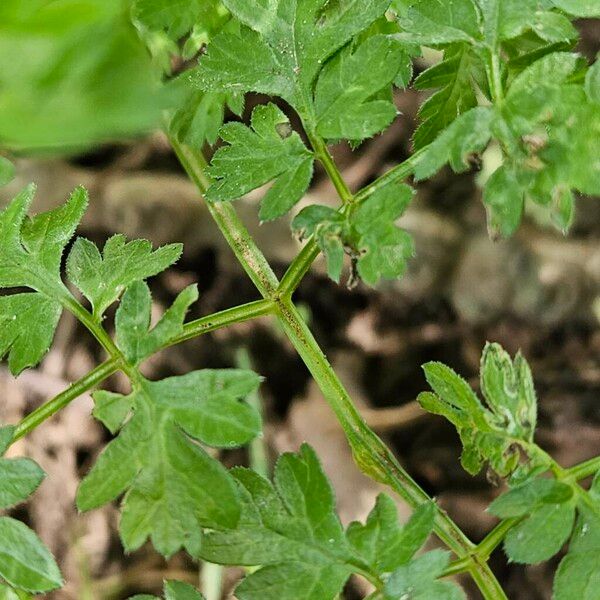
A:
(370, 453)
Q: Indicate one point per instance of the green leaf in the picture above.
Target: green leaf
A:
(176, 590)
(7, 593)
(383, 543)
(290, 529)
(178, 17)
(504, 197)
(434, 22)
(7, 171)
(494, 433)
(283, 46)
(592, 83)
(31, 248)
(383, 248)
(132, 321)
(199, 117)
(346, 99)
(578, 574)
(542, 534)
(507, 19)
(378, 248)
(418, 580)
(19, 478)
(25, 562)
(550, 130)
(579, 8)
(455, 77)
(507, 386)
(102, 278)
(554, 27)
(31, 251)
(173, 486)
(255, 156)
(331, 231)
(7, 433)
(72, 75)
(467, 135)
(531, 495)
(27, 326)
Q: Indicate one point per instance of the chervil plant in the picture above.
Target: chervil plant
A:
(74, 73)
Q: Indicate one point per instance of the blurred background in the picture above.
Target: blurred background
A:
(538, 292)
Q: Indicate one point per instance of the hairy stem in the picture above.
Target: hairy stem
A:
(370, 453)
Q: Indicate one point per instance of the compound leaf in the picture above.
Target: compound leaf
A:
(31, 251)
(378, 248)
(25, 563)
(282, 47)
(172, 485)
(102, 278)
(383, 248)
(346, 98)
(490, 433)
(290, 529)
(269, 150)
(31, 248)
(132, 321)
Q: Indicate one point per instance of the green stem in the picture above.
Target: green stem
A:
(239, 239)
(494, 538)
(398, 173)
(50, 408)
(325, 158)
(191, 330)
(585, 469)
(224, 318)
(494, 75)
(370, 453)
(259, 460)
(302, 263)
(95, 328)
